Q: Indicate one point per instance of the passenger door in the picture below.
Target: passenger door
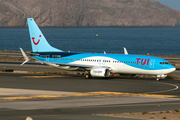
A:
(152, 63)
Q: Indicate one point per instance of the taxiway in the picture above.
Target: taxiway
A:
(45, 97)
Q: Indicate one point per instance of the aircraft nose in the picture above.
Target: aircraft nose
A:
(172, 69)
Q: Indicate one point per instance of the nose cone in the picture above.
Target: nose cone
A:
(171, 69)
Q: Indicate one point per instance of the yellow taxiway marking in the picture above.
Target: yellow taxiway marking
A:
(95, 94)
(132, 94)
(42, 76)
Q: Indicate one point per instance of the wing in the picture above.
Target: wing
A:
(71, 66)
(68, 66)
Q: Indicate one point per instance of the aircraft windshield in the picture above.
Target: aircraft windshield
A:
(164, 63)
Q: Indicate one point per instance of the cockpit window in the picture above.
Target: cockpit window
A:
(162, 63)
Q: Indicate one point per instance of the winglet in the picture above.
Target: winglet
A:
(125, 51)
(25, 56)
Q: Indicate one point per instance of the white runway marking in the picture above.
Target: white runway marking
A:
(176, 87)
(17, 92)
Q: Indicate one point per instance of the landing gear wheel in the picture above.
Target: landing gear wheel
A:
(158, 79)
(87, 76)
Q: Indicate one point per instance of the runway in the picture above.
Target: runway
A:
(72, 97)
(47, 97)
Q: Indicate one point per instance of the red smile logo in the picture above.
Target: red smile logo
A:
(36, 43)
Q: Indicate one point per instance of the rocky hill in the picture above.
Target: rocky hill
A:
(64, 13)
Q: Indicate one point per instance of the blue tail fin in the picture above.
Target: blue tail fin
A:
(38, 41)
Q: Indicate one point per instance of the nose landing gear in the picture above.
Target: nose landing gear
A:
(160, 76)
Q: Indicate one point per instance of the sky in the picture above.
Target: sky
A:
(175, 4)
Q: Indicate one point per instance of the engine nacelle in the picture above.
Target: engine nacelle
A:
(100, 72)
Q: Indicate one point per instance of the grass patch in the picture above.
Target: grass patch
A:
(167, 56)
(164, 118)
(8, 58)
(9, 51)
(173, 76)
(145, 112)
(152, 117)
(176, 110)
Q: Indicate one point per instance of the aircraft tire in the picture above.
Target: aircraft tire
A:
(88, 76)
(158, 79)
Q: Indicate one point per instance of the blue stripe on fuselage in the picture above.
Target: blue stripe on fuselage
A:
(144, 62)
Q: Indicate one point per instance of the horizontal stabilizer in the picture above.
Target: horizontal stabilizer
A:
(25, 56)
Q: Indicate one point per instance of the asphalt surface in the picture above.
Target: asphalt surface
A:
(72, 97)
(75, 104)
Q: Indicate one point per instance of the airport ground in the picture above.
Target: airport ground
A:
(72, 97)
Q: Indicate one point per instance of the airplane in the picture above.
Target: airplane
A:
(94, 64)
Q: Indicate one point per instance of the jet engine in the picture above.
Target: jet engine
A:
(100, 72)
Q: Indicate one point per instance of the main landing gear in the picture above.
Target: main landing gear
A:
(88, 75)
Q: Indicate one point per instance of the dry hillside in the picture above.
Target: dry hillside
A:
(63, 13)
